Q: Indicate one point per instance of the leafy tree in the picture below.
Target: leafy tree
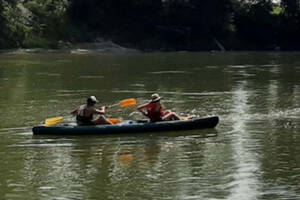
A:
(254, 23)
(171, 24)
(47, 17)
(291, 8)
(210, 16)
(11, 23)
(290, 24)
(117, 14)
(2, 24)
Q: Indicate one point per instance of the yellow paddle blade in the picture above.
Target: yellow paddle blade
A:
(53, 121)
(128, 102)
(114, 120)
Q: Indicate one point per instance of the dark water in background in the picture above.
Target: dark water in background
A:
(252, 154)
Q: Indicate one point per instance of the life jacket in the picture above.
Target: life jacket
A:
(81, 118)
(152, 113)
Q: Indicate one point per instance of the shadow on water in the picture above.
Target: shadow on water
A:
(205, 133)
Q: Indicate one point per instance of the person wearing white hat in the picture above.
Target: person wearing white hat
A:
(154, 110)
(85, 113)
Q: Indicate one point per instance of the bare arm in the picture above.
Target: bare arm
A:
(100, 111)
(161, 105)
(74, 112)
(141, 109)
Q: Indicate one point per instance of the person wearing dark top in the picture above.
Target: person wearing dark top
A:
(87, 114)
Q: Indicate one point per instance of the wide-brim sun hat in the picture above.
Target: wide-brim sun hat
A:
(93, 99)
(155, 97)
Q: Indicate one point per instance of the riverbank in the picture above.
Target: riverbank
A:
(99, 46)
(120, 46)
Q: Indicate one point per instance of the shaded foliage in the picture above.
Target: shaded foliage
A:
(11, 24)
(290, 24)
(173, 22)
(106, 16)
(255, 24)
(152, 24)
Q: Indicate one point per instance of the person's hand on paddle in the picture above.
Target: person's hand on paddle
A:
(143, 112)
(102, 110)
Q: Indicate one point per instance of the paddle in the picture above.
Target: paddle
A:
(56, 120)
(53, 121)
(125, 103)
(114, 120)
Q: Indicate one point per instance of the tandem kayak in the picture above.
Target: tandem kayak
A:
(131, 127)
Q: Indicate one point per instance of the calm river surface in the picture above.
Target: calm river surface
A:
(254, 152)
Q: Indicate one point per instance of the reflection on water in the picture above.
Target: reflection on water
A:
(245, 177)
(170, 72)
(252, 154)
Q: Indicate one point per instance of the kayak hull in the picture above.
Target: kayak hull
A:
(197, 123)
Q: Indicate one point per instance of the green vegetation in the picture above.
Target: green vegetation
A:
(152, 24)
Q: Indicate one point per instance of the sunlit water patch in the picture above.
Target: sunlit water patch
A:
(137, 85)
(245, 184)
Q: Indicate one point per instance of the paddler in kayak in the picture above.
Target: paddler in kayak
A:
(154, 110)
(85, 113)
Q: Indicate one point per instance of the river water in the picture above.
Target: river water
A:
(252, 154)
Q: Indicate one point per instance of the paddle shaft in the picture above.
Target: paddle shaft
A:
(124, 103)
